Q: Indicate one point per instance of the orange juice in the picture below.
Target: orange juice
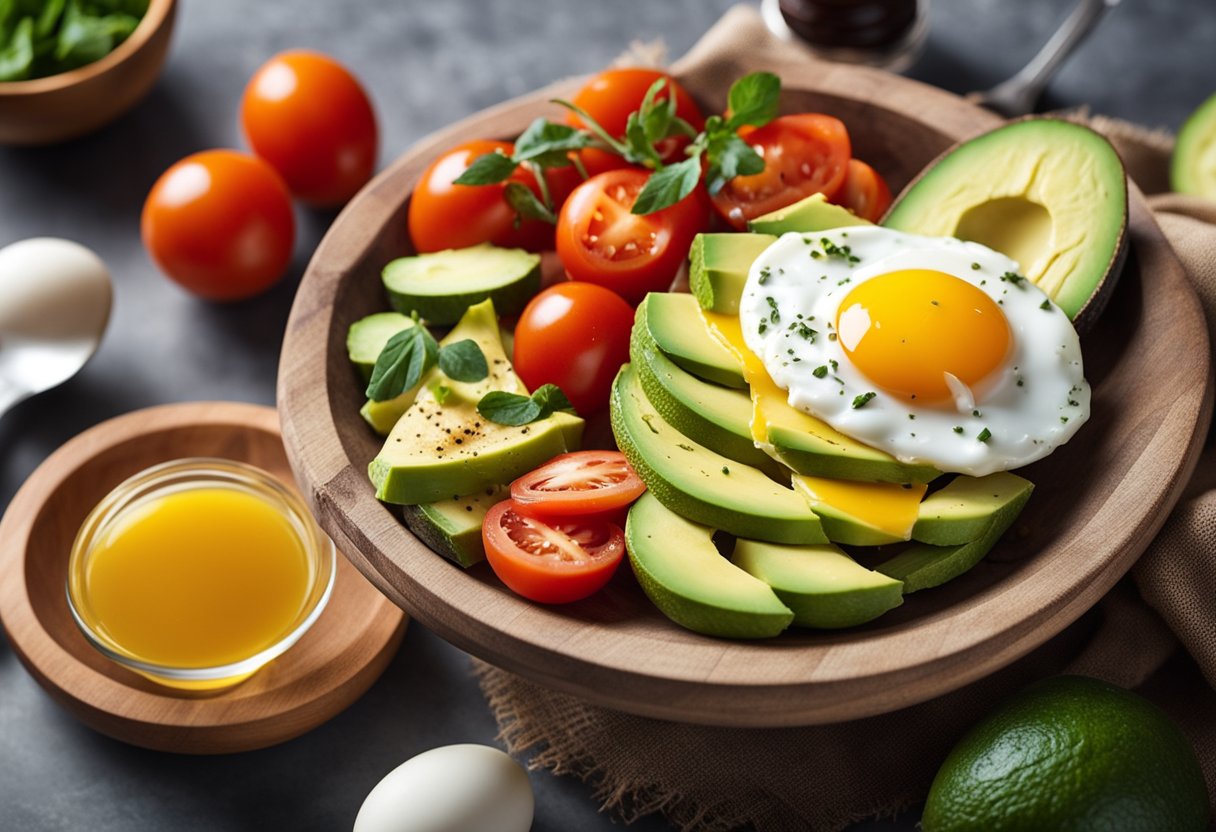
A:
(197, 572)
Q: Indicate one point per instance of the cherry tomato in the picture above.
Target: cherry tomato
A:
(864, 192)
(443, 215)
(600, 241)
(563, 181)
(803, 155)
(307, 116)
(220, 224)
(553, 562)
(612, 95)
(580, 483)
(574, 335)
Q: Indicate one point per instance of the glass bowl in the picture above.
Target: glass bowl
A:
(183, 475)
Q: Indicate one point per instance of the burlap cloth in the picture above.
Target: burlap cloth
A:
(824, 778)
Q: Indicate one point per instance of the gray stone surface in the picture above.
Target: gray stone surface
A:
(426, 64)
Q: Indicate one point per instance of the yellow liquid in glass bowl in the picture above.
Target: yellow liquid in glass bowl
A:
(200, 582)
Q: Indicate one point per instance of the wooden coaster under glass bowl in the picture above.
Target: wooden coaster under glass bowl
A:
(331, 666)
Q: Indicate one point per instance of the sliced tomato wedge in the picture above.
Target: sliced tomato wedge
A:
(864, 192)
(551, 562)
(580, 483)
(803, 154)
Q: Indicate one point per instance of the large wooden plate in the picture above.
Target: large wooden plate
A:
(1098, 501)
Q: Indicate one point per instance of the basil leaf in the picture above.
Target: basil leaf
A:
(753, 99)
(641, 149)
(730, 156)
(549, 145)
(402, 363)
(463, 361)
(85, 37)
(511, 409)
(17, 56)
(668, 186)
(551, 399)
(526, 204)
(487, 169)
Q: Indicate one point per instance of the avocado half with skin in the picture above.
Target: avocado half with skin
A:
(1050, 194)
(1193, 165)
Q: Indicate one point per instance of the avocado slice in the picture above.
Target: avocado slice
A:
(452, 527)
(681, 571)
(673, 322)
(715, 416)
(964, 509)
(824, 587)
(924, 566)
(1193, 165)
(701, 484)
(862, 513)
(718, 266)
(441, 285)
(1050, 194)
(439, 449)
(812, 213)
(798, 440)
(367, 336)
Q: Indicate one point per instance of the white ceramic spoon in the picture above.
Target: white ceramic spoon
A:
(55, 300)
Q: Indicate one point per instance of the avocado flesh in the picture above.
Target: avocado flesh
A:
(812, 213)
(438, 450)
(718, 266)
(1193, 165)
(925, 566)
(862, 513)
(824, 587)
(699, 483)
(963, 510)
(798, 440)
(1050, 194)
(673, 322)
(718, 417)
(439, 286)
(681, 571)
(452, 527)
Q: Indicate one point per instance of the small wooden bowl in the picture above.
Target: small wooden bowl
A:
(1097, 502)
(71, 104)
(331, 666)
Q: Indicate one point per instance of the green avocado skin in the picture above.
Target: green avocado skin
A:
(1070, 753)
(1193, 164)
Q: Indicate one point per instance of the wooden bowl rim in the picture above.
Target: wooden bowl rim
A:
(969, 655)
(158, 13)
(193, 723)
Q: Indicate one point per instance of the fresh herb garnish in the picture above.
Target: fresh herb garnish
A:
(1045, 306)
(984, 435)
(958, 428)
(975, 267)
(515, 409)
(820, 371)
(410, 353)
(1012, 277)
(38, 39)
(863, 399)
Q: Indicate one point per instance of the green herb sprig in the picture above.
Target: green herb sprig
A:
(410, 353)
(514, 409)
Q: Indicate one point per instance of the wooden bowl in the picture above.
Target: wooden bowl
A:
(71, 104)
(1097, 504)
(329, 668)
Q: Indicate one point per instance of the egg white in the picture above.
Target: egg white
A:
(1030, 405)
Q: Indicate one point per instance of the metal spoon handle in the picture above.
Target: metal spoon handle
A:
(1019, 94)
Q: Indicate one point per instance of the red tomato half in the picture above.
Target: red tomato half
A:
(612, 95)
(307, 116)
(553, 563)
(600, 241)
(803, 155)
(864, 192)
(220, 224)
(574, 335)
(443, 215)
(579, 483)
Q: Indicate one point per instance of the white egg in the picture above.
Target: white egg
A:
(932, 349)
(455, 788)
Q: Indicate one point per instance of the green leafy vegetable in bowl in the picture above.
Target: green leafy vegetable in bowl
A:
(46, 37)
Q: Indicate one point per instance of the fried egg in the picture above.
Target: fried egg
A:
(932, 349)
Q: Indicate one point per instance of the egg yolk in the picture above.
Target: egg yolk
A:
(907, 330)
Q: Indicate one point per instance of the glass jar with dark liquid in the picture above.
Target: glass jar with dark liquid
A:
(883, 33)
